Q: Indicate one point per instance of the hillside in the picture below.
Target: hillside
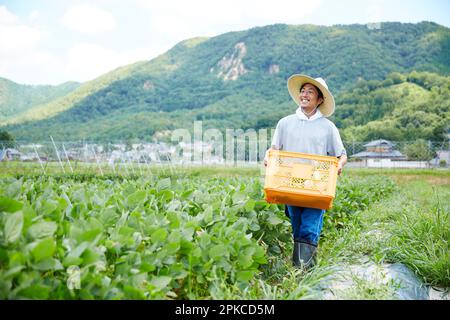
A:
(236, 80)
(64, 102)
(17, 98)
(402, 107)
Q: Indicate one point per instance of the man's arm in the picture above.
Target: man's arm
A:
(341, 163)
(273, 147)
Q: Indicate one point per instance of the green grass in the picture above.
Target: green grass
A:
(417, 228)
(411, 227)
(441, 172)
(17, 169)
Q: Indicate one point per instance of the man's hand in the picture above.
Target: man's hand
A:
(267, 152)
(265, 159)
(341, 163)
(339, 168)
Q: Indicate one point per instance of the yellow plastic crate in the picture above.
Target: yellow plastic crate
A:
(300, 179)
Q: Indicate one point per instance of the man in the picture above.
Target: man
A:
(308, 131)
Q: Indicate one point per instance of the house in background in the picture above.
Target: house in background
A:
(442, 159)
(9, 154)
(382, 154)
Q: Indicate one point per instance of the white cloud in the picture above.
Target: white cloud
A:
(175, 20)
(231, 13)
(24, 59)
(20, 60)
(7, 17)
(88, 19)
(34, 67)
(34, 16)
(161, 23)
(86, 61)
(15, 37)
(375, 10)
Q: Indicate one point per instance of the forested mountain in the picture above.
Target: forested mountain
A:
(238, 80)
(49, 108)
(402, 107)
(16, 98)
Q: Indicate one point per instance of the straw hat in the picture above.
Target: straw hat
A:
(296, 81)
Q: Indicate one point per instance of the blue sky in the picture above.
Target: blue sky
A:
(53, 41)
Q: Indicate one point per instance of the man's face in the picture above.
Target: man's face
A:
(309, 97)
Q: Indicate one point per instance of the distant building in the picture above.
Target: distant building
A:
(379, 149)
(382, 154)
(442, 159)
(9, 154)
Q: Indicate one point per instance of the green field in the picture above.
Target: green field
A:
(207, 233)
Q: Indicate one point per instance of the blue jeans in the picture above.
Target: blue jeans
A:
(306, 224)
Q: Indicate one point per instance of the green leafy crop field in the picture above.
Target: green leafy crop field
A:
(192, 234)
